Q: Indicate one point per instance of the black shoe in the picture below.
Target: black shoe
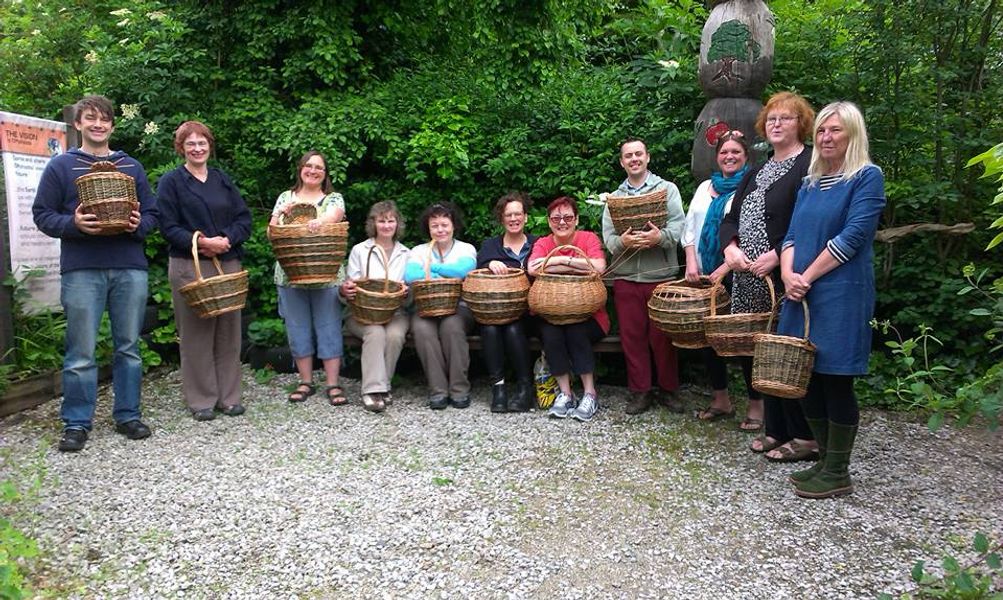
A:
(438, 402)
(134, 429)
(639, 403)
(206, 414)
(524, 396)
(499, 401)
(73, 440)
(669, 400)
(463, 402)
(231, 411)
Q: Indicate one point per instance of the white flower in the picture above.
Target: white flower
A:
(123, 22)
(91, 57)
(123, 41)
(669, 64)
(130, 111)
(36, 32)
(121, 12)
(156, 15)
(151, 128)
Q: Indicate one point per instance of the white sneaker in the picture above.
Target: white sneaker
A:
(587, 408)
(564, 404)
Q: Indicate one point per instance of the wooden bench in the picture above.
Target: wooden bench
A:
(608, 345)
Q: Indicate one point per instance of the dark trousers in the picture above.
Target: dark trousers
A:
(717, 371)
(831, 397)
(569, 347)
(499, 341)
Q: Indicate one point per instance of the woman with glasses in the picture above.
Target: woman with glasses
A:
(702, 247)
(197, 197)
(508, 250)
(441, 342)
(751, 235)
(569, 347)
(312, 312)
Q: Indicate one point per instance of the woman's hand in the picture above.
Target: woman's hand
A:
(497, 267)
(313, 225)
(692, 271)
(348, 289)
(213, 246)
(736, 259)
(719, 273)
(796, 286)
(764, 265)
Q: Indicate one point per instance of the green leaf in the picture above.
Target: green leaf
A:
(994, 562)
(936, 421)
(979, 312)
(995, 241)
(917, 571)
(951, 565)
(981, 543)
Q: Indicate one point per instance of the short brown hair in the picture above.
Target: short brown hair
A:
(192, 127)
(520, 197)
(442, 209)
(631, 140)
(384, 207)
(794, 103)
(102, 105)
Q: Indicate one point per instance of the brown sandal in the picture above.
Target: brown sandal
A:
(335, 395)
(765, 445)
(751, 425)
(793, 451)
(303, 390)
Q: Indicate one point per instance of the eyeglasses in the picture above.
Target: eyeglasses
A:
(512, 215)
(781, 119)
(558, 219)
(198, 144)
(310, 167)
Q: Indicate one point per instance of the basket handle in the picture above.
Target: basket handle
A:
(713, 297)
(581, 252)
(195, 256)
(383, 261)
(282, 215)
(807, 320)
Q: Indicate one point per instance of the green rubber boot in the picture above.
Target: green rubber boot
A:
(820, 429)
(834, 477)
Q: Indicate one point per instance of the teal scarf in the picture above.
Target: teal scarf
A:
(710, 246)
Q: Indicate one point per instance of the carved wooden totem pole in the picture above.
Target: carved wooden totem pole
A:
(736, 63)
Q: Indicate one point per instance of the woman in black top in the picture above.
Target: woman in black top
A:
(511, 249)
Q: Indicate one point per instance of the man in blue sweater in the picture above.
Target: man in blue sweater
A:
(98, 272)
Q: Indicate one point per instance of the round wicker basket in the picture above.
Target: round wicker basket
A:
(734, 334)
(565, 299)
(678, 308)
(496, 299)
(216, 295)
(306, 256)
(376, 300)
(436, 297)
(109, 195)
(635, 211)
(782, 364)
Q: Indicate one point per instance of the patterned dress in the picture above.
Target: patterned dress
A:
(750, 293)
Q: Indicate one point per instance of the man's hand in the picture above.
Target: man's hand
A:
(134, 218)
(650, 237)
(86, 223)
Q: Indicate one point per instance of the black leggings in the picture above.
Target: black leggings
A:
(569, 347)
(497, 341)
(831, 397)
(717, 371)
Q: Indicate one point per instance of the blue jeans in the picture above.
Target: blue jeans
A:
(85, 294)
(312, 313)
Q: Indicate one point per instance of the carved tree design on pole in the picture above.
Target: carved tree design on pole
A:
(732, 42)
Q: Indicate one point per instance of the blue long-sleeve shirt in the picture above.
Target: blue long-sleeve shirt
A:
(215, 208)
(56, 201)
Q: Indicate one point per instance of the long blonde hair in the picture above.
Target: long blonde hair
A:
(857, 153)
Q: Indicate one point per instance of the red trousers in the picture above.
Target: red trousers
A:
(642, 341)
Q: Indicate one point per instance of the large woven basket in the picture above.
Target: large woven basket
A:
(109, 195)
(782, 364)
(218, 294)
(306, 256)
(436, 297)
(678, 308)
(734, 334)
(496, 299)
(376, 300)
(635, 211)
(565, 299)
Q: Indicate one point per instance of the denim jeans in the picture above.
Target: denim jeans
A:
(312, 314)
(85, 294)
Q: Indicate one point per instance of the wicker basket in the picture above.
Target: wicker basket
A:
(496, 299)
(635, 211)
(308, 257)
(109, 195)
(679, 307)
(436, 297)
(782, 364)
(734, 334)
(566, 299)
(218, 294)
(376, 300)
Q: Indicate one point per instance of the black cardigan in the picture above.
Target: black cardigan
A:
(780, 199)
(494, 249)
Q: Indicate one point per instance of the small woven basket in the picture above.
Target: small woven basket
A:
(496, 299)
(734, 334)
(376, 300)
(218, 294)
(436, 297)
(109, 195)
(565, 299)
(782, 364)
(308, 257)
(678, 308)
(635, 211)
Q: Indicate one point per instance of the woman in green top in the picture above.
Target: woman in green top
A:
(312, 312)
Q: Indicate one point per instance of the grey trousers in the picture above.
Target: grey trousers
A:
(210, 348)
(442, 347)
(381, 347)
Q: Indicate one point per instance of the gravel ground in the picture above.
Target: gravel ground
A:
(310, 501)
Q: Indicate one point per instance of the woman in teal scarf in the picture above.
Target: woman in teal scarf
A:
(703, 251)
